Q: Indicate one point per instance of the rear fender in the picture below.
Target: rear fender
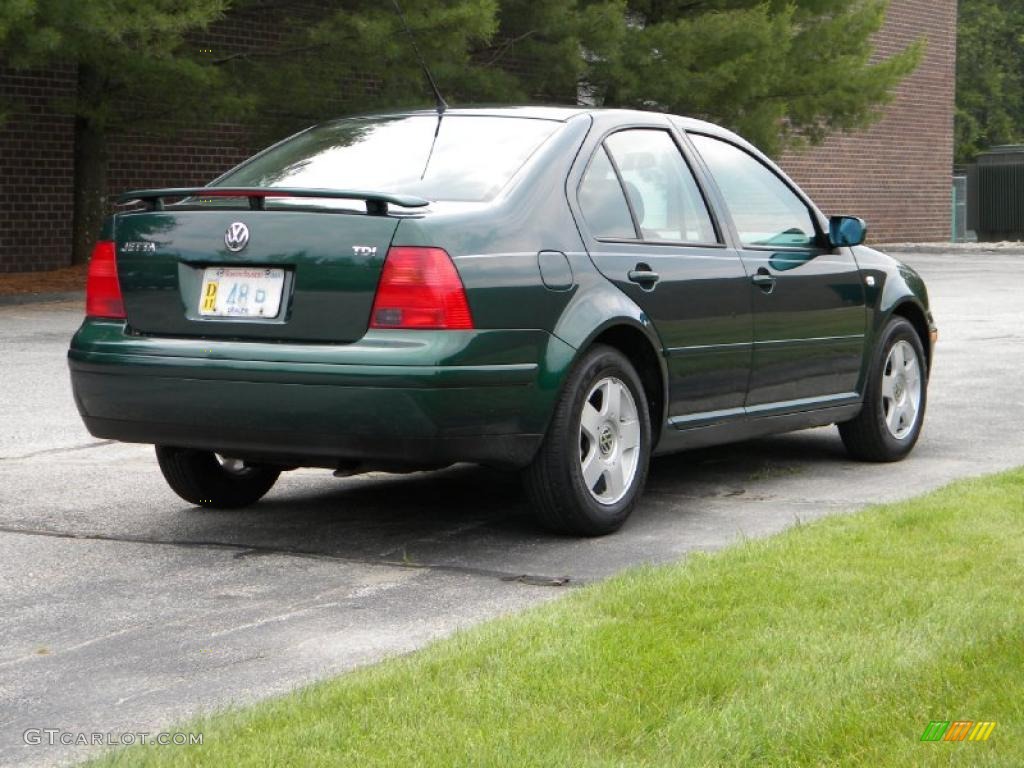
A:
(598, 307)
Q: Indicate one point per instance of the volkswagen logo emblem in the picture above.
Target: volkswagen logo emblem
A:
(237, 237)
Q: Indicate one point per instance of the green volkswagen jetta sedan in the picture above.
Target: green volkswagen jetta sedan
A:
(565, 292)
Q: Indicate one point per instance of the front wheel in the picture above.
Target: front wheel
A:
(895, 397)
(591, 469)
(210, 480)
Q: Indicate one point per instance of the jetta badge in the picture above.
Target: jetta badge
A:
(237, 237)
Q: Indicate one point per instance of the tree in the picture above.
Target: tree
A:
(990, 76)
(140, 68)
(357, 57)
(783, 72)
(134, 68)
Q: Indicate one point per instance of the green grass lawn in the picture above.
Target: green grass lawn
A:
(834, 643)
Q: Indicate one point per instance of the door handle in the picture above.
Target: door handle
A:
(643, 276)
(764, 280)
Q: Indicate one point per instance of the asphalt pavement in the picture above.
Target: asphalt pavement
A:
(124, 609)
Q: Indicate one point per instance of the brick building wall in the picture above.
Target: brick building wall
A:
(37, 154)
(37, 151)
(195, 157)
(898, 174)
(198, 155)
(37, 167)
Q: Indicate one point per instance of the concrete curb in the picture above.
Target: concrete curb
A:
(40, 298)
(960, 249)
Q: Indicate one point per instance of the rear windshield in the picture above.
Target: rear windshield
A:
(457, 157)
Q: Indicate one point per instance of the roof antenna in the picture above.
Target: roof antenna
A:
(442, 105)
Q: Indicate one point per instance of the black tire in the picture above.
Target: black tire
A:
(554, 480)
(867, 437)
(199, 478)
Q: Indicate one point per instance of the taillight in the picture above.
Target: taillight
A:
(102, 289)
(420, 288)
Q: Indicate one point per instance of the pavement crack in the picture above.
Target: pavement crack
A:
(51, 451)
(248, 550)
(538, 581)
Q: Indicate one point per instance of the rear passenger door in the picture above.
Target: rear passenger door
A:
(650, 231)
(808, 300)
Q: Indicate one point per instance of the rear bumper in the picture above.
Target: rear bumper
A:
(412, 398)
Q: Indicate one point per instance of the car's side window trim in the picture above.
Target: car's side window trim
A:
(637, 230)
(815, 248)
(640, 240)
(629, 206)
(698, 179)
(663, 243)
(708, 208)
(818, 247)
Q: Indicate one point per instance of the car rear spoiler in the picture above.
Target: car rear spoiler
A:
(376, 202)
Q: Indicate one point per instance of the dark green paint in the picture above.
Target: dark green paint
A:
(329, 289)
(555, 271)
(315, 387)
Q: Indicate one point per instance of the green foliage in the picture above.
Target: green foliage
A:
(137, 67)
(990, 76)
(783, 72)
(358, 58)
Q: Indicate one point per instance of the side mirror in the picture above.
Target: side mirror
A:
(847, 231)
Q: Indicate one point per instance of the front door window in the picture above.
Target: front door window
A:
(766, 212)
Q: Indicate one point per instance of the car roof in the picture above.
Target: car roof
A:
(563, 114)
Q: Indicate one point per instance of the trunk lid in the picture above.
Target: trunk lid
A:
(329, 262)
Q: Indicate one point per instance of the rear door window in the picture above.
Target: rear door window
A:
(666, 200)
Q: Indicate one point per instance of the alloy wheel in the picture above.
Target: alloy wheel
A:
(232, 466)
(901, 390)
(609, 440)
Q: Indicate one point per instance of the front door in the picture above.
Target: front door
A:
(808, 300)
(651, 233)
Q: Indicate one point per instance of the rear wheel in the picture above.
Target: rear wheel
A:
(210, 480)
(896, 394)
(592, 466)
